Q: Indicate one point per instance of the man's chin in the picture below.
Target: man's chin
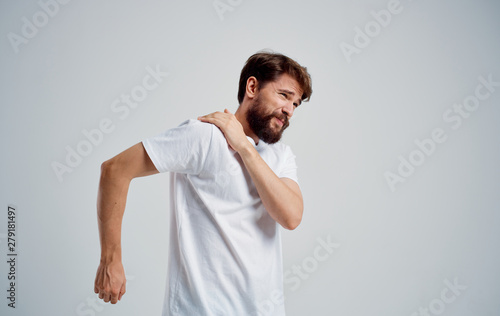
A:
(270, 137)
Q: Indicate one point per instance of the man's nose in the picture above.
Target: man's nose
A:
(288, 109)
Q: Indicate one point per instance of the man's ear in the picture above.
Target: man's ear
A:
(252, 87)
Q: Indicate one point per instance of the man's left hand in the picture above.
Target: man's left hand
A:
(230, 126)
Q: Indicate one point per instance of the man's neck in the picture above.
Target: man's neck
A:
(241, 117)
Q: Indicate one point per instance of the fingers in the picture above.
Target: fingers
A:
(229, 126)
(110, 285)
(122, 291)
(208, 118)
(215, 115)
(211, 114)
(117, 295)
(112, 296)
(218, 118)
(106, 298)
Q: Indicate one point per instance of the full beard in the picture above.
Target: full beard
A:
(262, 125)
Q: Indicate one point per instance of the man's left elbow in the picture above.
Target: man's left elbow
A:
(292, 223)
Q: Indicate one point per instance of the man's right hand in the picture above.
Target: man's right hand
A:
(116, 174)
(110, 281)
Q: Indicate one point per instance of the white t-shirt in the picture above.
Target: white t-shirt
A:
(225, 249)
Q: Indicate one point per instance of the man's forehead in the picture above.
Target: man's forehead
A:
(287, 82)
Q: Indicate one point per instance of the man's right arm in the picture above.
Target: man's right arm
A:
(116, 175)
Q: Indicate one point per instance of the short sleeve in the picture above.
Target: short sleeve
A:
(182, 149)
(289, 168)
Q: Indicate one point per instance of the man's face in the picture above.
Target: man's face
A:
(273, 107)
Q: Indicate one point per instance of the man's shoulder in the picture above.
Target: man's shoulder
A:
(279, 147)
(194, 129)
(196, 125)
(203, 131)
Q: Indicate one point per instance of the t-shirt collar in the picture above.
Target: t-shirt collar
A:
(258, 146)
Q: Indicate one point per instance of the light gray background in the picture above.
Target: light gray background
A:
(397, 249)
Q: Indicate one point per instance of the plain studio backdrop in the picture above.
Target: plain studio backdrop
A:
(397, 150)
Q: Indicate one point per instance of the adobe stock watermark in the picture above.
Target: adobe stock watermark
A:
(11, 257)
(224, 6)
(122, 106)
(454, 115)
(363, 36)
(93, 304)
(298, 273)
(448, 295)
(30, 28)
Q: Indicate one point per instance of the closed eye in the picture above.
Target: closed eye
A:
(287, 96)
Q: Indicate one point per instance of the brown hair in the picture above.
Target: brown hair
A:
(268, 66)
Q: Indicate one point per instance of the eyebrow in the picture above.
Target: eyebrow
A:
(289, 92)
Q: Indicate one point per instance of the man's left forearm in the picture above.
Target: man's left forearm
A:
(281, 196)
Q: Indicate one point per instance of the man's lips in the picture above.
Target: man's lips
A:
(281, 121)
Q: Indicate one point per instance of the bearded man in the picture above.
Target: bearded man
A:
(232, 185)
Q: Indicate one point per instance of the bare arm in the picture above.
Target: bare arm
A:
(116, 175)
(281, 196)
